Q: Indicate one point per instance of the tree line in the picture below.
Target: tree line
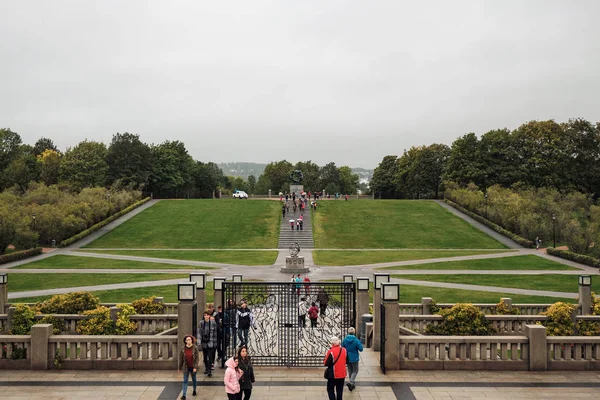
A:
(564, 156)
(166, 170)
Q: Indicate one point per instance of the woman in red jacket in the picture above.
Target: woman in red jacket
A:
(336, 355)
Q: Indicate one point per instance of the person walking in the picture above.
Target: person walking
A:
(283, 210)
(219, 321)
(302, 310)
(188, 363)
(346, 196)
(243, 321)
(233, 374)
(336, 358)
(538, 242)
(207, 334)
(313, 315)
(352, 346)
(323, 299)
(247, 379)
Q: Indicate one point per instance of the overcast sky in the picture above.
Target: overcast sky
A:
(261, 81)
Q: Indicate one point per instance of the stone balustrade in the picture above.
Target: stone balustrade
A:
(15, 351)
(573, 352)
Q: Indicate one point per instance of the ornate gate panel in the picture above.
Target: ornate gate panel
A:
(280, 336)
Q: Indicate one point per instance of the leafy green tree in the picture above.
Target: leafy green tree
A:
(239, 183)
(348, 180)
(251, 183)
(21, 170)
(584, 150)
(84, 165)
(8, 225)
(311, 173)
(49, 166)
(465, 164)
(42, 145)
(263, 185)
(172, 170)
(10, 143)
(278, 174)
(500, 159)
(129, 160)
(207, 178)
(329, 178)
(383, 180)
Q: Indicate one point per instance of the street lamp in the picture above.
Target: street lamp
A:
(554, 229)
(390, 291)
(200, 279)
(348, 278)
(486, 208)
(34, 228)
(237, 277)
(362, 284)
(186, 291)
(585, 280)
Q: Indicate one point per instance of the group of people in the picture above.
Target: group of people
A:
(338, 357)
(239, 375)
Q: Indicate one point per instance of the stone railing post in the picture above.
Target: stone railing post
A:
(392, 334)
(3, 297)
(185, 321)
(201, 301)
(40, 334)
(160, 300)
(114, 313)
(538, 347)
(585, 299)
(426, 303)
(10, 318)
(508, 302)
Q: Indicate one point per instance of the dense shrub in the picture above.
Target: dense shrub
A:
(103, 223)
(502, 309)
(98, 323)
(147, 306)
(123, 325)
(20, 255)
(58, 325)
(463, 319)
(23, 320)
(560, 319)
(69, 303)
(569, 255)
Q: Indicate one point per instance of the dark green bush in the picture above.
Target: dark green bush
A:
(23, 320)
(569, 255)
(147, 306)
(20, 255)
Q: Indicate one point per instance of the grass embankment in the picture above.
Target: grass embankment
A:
(555, 283)
(324, 257)
(199, 224)
(410, 224)
(520, 263)
(25, 282)
(73, 262)
(241, 257)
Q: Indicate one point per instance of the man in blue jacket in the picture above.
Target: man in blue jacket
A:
(352, 346)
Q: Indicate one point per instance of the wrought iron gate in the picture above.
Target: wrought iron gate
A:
(382, 338)
(281, 337)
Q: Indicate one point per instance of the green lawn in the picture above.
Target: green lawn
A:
(242, 257)
(324, 257)
(555, 283)
(73, 262)
(199, 224)
(408, 294)
(408, 224)
(529, 262)
(25, 282)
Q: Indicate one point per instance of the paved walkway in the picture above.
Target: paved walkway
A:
(303, 384)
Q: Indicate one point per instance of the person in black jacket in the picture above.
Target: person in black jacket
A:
(244, 320)
(219, 320)
(207, 333)
(247, 379)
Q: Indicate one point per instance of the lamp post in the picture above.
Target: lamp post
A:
(486, 207)
(348, 278)
(554, 230)
(585, 294)
(34, 229)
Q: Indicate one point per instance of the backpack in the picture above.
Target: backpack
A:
(313, 312)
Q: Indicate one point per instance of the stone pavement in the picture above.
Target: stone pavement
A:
(303, 384)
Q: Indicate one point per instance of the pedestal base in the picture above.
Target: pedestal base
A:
(294, 265)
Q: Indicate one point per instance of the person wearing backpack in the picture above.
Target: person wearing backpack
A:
(352, 346)
(313, 315)
(336, 357)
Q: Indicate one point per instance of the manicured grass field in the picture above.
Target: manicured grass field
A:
(324, 257)
(73, 262)
(555, 283)
(408, 294)
(24, 282)
(199, 224)
(242, 257)
(524, 263)
(402, 224)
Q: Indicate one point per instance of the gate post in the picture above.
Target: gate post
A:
(186, 312)
(378, 280)
(390, 294)
(362, 301)
(200, 279)
(218, 291)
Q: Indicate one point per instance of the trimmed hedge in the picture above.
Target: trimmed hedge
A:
(20, 255)
(518, 239)
(569, 255)
(103, 223)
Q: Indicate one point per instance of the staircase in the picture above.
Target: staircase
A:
(287, 236)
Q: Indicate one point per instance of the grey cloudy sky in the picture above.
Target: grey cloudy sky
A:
(259, 81)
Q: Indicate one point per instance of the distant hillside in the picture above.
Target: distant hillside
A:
(245, 169)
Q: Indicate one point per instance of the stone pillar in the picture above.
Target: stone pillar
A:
(114, 313)
(362, 307)
(377, 318)
(3, 297)
(425, 303)
(392, 335)
(269, 193)
(184, 321)
(160, 300)
(508, 302)
(538, 347)
(585, 299)
(39, 345)
(10, 318)
(217, 299)
(201, 301)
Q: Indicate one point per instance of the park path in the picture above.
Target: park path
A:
(288, 236)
